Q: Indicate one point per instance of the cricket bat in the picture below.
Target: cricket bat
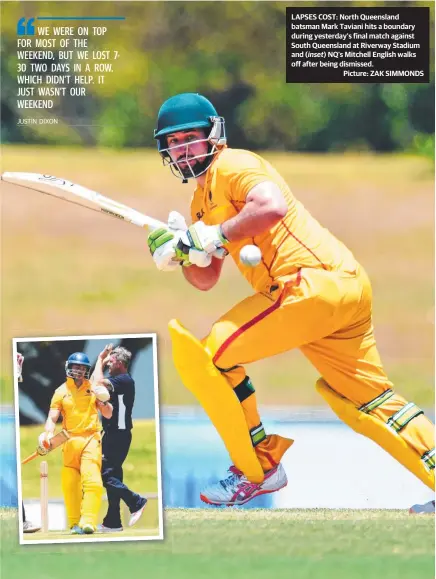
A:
(57, 440)
(78, 195)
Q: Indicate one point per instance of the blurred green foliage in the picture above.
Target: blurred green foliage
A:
(233, 53)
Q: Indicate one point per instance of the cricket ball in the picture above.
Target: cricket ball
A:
(250, 255)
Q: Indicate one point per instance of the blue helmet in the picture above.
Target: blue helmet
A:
(184, 112)
(78, 358)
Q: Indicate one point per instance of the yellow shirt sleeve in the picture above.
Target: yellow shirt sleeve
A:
(56, 401)
(234, 173)
(238, 172)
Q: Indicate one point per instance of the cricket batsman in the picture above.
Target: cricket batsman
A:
(78, 401)
(309, 293)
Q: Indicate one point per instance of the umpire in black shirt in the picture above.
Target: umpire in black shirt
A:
(117, 436)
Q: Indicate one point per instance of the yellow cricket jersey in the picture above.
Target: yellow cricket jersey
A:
(77, 406)
(296, 241)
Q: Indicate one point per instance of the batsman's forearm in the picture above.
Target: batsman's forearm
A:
(50, 426)
(250, 222)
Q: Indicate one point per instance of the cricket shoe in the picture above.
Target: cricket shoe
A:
(76, 530)
(103, 529)
(135, 516)
(29, 527)
(236, 489)
(425, 509)
(88, 529)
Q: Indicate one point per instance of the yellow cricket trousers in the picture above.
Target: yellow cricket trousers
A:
(327, 315)
(82, 484)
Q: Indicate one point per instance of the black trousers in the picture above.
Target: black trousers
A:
(115, 447)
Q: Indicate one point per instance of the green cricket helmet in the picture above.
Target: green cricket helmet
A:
(186, 112)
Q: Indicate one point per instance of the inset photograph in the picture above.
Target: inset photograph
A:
(88, 438)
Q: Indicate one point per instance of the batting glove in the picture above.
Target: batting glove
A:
(184, 253)
(161, 243)
(206, 238)
(20, 360)
(44, 443)
(176, 222)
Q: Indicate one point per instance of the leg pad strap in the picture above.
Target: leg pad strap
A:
(428, 459)
(401, 418)
(388, 436)
(257, 434)
(244, 389)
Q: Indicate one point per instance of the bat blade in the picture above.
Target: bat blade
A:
(56, 441)
(59, 439)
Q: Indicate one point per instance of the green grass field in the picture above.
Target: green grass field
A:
(57, 259)
(257, 544)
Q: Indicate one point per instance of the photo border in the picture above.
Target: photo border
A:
(100, 539)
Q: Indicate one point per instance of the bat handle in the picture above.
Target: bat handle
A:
(29, 458)
(220, 253)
